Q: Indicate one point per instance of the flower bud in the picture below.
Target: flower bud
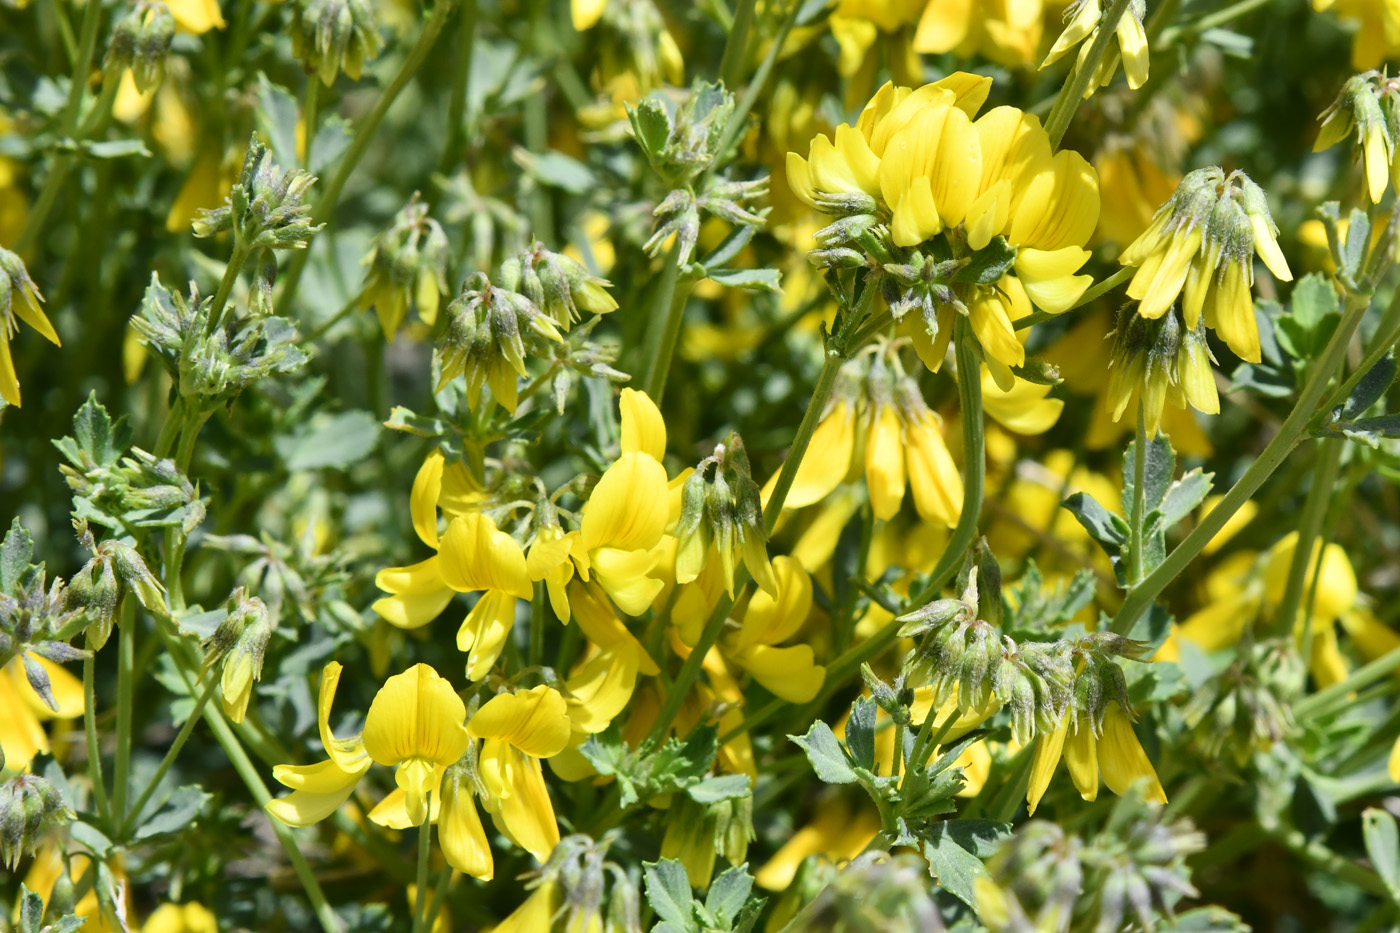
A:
(240, 643)
(561, 287)
(722, 519)
(140, 41)
(266, 208)
(407, 265)
(96, 591)
(18, 296)
(487, 330)
(1358, 108)
(28, 804)
(335, 35)
(131, 569)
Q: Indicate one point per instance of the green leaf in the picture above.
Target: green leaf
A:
(668, 892)
(31, 910)
(1157, 473)
(730, 246)
(331, 141)
(97, 441)
(1313, 299)
(753, 280)
(1383, 846)
(949, 851)
(1183, 496)
(277, 116)
(15, 553)
(860, 733)
(1369, 430)
(1370, 388)
(92, 837)
(178, 811)
(728, 894)
(557, 170)
(117, 149)
(330, 442)
(1103, 526)
(1263, 380)
(652, 126)
(724, 787)
(988, 264)
(402, 419)
(1354, 250)
(825, 754)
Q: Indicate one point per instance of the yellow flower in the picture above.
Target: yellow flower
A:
(548, 559)
(789, 672)
(601, 685)
(627, 514)
(1377, 36)
(418, 593)
(1084, 19)
(1201, 246)
(181, 918)
(22, 733)
(1336, 587)
(518, 730)
(536, 913)
(1132, 185)
(196, 16)
(837, 833)
(1114, 754)
(415, 725)
(318, 790)
(477, 557)
(1025, 408)
(18, 296)
(1006, 31)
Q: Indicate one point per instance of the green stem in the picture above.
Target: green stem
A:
(1387, 332)
(1092, 294)
(1309, 527)
(230, 277)
(1321, 702)
(1139, 514)
(68, 125)
(1072, 91)
(369, 127)
(1213, 20)
(165, 764)
(126, 653)
(420, 892)
(736, 45)
(755, 88)
(308, 115)
(667, 311)
(457, 101)
(94, 752)
(690, 670)
(831, 367)
(350, 307)
(974, 468)
(1278, 449)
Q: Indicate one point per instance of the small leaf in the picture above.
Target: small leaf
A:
(715, 789)
(753, 280)
(825, 754)
(988, 264)
(1313, 298)
(331, 141)
(1371, 387)
(179, 810)
(1157, 473)
(15, 553)
(277, 116)
(1183, 496)
(1354, 250)
(860, 733)
(1103, 526)
(117, 149)
(728, 894)
(668, 891)
(402, 419)
(730, 246)
(1383, 846)
(330, 442)
(949, 859)
(556, 170)
(652, 126)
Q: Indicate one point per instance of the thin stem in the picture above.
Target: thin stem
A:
(230, 277)
(1092, 294)
(1213, 20)
(1309, 527)
(1072, 91)
(736, 45)
(308, 116)
(1278, 449)
(1387, 332)
(457, 100)
(693, 662)
(345, 311)
(667, 311)
(1139, 515)
(68, 125)
(126, 653)
(420, 893)
(99, 789)
(974, 469)
(755, 88)
(1321, 702)
(165, 764)
(369, 127)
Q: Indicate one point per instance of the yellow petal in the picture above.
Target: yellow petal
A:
(624, 575)
(791, 673)
(585, 15)
(1121, 758)
(417, 594)
(827, 459)
(518, 797)
(392, 811)
(643, 429)
(1081, 758)
(629, 507)
(422, 501)
(933, 478)
(884, 463)
(475, 556)
(770, 619)
(460, 835)
(196, 16)
(484, 631)
(1047, 757)
(943, 26)
(348, 754)
(1049, 279)
(536, 721)
(416, 714)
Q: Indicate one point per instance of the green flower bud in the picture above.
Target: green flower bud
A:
(28, 805)
(140, 41)
(240, 643)
(407, 265)
(330, 36)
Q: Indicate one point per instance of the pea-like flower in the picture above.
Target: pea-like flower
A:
(518, 730)
(416, 725)
(1084, 17)
(1112, 753)
(788, 671)
(19, 296)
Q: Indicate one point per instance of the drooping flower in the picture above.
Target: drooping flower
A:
(1113, 753)
(788, 671)
(1083, 26)
(22, 734)
(518, 730)
(19, 298)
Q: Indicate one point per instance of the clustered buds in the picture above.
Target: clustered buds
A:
(114, 570)
(962, 654)
(1042, 877)
(722, 519)
(1369, 106)
(140, 42)
(239, 644)
(28, 805)
(1246, 708)
(19, 296)
(1160, 360)
(266, 208)
(219, 366)
(36, 618)
(487, 328)
(1200, 246)
(557, 284)
(1084, 17)
(876, 892)
(330, 36)
(407, 264)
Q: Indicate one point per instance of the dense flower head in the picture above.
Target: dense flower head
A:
(1200, 247)
(1160, 361)
(1369, 106)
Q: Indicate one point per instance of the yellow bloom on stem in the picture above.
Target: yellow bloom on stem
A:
(518, 730)
(1006, 31)
(196, 16)
(1025, 408)
(318, 790)
(190, 917)
(1084, 17)
(627, 513)
(415, 725)
(1114, 754)
(535, 914)
(417, 593)
(549, 559)
(601, 685)
(475, 556)
(837, 832)
(19, 296)
(789, 672)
